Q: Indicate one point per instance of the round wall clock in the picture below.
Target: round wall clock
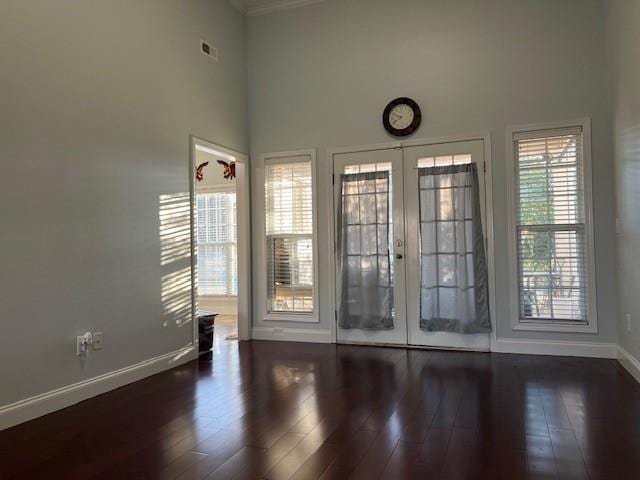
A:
(401, 117)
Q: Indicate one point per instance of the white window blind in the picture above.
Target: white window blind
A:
(550, 223)
(289, 233)
(217, 244)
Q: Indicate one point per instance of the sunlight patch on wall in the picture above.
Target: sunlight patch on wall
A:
(175, 227)
(175, 258)
(176, 296)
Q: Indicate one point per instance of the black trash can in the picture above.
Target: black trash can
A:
(206, 322)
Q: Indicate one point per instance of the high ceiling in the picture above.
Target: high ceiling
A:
(262, 7)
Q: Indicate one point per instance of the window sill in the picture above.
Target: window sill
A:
(287, 317)
(555, 327)
(219, 297)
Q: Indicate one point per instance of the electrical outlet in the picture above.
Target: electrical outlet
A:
(628, 322)
(97, 341)
(82, 343)
(278, 331)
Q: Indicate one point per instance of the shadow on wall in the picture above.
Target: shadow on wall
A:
(175, 253)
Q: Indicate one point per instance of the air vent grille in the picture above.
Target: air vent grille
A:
(209, 50)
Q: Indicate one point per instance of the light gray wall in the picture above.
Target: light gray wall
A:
(320, 76)
(97, 102)
(623, 22)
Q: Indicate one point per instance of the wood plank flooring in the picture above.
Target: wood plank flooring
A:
(271, 410)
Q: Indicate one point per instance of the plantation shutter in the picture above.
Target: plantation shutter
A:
(289, 232)
(550, 218)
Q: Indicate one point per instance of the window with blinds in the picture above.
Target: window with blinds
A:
(289, 234)
(551, 228)
(217, 244)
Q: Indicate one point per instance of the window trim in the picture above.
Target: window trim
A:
(261, 267)
(592, 315)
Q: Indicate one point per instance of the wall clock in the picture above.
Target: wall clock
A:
(401, 117)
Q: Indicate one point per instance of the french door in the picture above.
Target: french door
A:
(383, 233)
(370, 264)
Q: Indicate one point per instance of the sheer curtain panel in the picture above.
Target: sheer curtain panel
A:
(454, 281)
(365, 264)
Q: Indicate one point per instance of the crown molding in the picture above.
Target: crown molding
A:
(277, 6)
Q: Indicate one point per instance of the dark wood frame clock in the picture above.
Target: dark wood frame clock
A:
(409, 129)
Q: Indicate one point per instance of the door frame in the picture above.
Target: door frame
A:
(396, 336)
(486, 138)
(243, 211)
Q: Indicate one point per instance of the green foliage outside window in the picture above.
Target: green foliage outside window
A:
(535, 209)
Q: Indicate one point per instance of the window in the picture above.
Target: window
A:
(217, 244)
(552, 244)
(289, 231)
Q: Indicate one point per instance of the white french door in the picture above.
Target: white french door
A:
(439, 155)
(365, 246)
(370, 247)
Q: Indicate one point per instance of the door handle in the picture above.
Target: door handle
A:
(399, 256)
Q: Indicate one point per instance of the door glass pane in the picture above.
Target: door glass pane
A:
(366, 239)
(382, 201)
(440, 160)
(454, 283)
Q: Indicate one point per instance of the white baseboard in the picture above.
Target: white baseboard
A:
(33, 407)
(292, 335)
(565, 349)
(629, 362)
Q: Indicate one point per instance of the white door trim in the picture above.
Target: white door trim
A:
(418, 142)
(244, 234)
(331, 245)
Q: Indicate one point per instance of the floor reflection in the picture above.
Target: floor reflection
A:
(281, 410)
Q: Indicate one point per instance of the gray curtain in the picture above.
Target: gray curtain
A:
(454, 280)
(364, 253)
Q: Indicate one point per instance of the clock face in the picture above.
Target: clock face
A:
(401, 117)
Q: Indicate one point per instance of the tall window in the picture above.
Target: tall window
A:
(289, 235)
(217, 244)
(552, 231)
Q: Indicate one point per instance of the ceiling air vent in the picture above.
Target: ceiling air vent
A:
(209, 50)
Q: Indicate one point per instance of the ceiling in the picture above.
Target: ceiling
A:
(263, 7)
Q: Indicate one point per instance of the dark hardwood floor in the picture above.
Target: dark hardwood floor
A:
(302, 411)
